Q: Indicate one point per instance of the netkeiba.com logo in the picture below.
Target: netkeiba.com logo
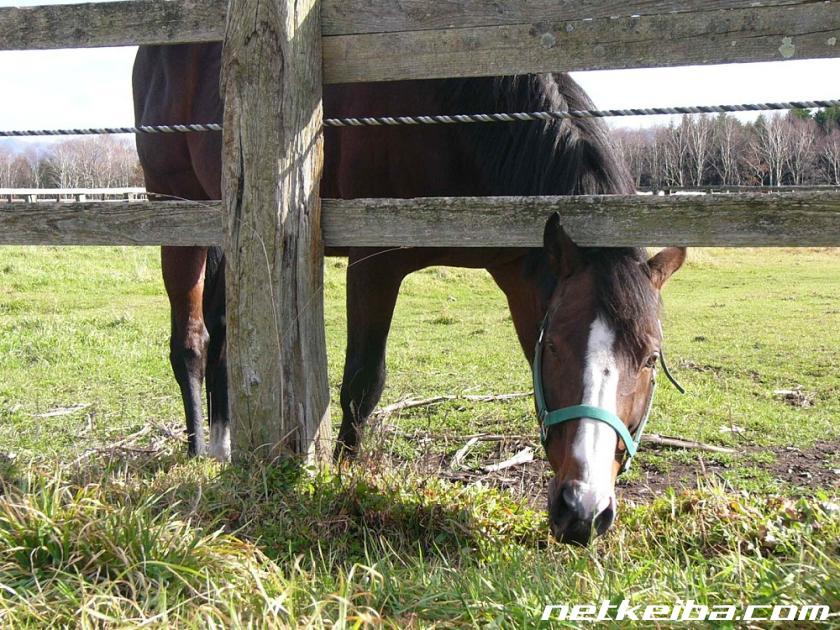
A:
(685, 611)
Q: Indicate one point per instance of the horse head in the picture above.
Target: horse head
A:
(594, 373)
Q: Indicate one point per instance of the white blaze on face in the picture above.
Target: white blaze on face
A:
(595, 442)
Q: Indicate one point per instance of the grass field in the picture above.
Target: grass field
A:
(104, 522)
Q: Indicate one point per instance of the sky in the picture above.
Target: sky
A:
(92, 87)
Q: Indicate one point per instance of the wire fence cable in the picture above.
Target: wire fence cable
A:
(380, 121)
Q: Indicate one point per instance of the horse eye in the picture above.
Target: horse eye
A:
(652, 361)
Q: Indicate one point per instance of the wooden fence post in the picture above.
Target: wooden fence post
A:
(273, 157)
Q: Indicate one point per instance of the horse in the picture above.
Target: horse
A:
(580, 287)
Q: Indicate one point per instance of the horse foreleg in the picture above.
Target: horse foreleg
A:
(217, 399)
(217, 378)
(183, 276)
(373, 284)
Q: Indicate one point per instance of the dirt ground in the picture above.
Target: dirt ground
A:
(813, 468)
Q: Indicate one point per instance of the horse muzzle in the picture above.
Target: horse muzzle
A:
(578, 513)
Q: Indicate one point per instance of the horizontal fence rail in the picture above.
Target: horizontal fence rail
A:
(798, 31)
(355, 17)
(111, 24)
(758, 220)
(111, 223)
(426, 39)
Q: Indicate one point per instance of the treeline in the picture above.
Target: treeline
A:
(93, 162)
(783, 149)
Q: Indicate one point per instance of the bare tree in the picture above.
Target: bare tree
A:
(675, 153)
(699, 134)
(728, 150)
(830, 156)
(632, 145)
(7, 168)
(800, 152)
(783, 149)
(96, 162)
(768, 146)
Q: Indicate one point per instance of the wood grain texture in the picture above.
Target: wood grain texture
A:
(381, 40)
(801, 219)
(757, 220)
(171, 21)
(111, 223)
(353, 17)
(272, 163)
(801, 31)
(111, 24)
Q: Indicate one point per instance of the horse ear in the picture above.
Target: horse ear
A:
(665, 264)
(563, 253)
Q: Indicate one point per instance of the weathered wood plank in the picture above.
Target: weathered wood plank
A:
(111, 24)
(810, 219)
(758, 220)
(353, 17)
(170, 21)
(272, 163)
(111, 223)
(800, 31)
(424, 39)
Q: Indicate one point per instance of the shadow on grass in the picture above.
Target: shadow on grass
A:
(348, 515)
(340, 517)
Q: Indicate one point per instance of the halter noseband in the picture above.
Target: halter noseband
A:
(549, 418)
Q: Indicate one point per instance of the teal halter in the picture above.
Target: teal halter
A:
(549, 418)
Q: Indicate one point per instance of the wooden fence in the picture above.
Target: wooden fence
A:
(276, 338)
(40, 195)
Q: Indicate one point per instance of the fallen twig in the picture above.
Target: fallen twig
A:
(412, 403)
(481, 437)
(173, 432)
(62, 411)
(126, 441)
(522, 457)
(662, 440)
(458, 459)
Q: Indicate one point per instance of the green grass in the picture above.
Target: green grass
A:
(97, 535)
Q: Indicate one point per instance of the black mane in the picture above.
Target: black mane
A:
(561, 157)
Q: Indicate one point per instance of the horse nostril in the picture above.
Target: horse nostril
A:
(576, 513)
(606, 518)
(570, 497)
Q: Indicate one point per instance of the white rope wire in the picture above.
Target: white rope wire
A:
(379, 121)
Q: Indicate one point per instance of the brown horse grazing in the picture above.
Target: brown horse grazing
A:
(594, 373)
(179, 84)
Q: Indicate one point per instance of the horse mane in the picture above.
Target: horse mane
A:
(625, 295)
(573, 156)
(561, 157)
